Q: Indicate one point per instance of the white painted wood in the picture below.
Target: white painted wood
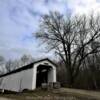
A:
(34, 78)
(26, 79)
(18, 81)
(51, 74)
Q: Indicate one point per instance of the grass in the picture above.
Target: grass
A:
(43, 95)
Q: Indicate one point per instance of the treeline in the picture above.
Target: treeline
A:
(88, 77)
(9, 65)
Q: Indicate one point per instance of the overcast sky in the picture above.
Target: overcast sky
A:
(20, 18)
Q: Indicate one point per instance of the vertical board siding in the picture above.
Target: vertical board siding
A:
(18, 81)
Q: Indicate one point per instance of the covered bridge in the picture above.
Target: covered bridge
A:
(29, 76)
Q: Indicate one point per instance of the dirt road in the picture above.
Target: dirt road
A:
(82, 93)
(78, 93)
(4, 98)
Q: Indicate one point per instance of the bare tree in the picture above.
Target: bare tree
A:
(2, 68)
(2, 65)
(9, 66)
(25, 59)
(14, 64)
(2, 60)
(71, 38)
(94, 66)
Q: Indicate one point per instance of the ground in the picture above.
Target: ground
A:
(59, 94)
(1, 98)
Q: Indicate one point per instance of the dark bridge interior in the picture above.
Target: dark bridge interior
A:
(42, 74)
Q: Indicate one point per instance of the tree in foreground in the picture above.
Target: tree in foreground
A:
(71, 38)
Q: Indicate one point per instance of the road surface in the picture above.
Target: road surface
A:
(1, 98)
(79, 92)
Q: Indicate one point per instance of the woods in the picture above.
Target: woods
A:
(76, 40)
(10, 64)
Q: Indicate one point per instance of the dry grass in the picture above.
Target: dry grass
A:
(44, 95)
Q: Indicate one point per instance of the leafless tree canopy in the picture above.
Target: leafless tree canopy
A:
(26, 59)
(73, 38)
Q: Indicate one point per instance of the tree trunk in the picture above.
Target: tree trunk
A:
(94, 82)
(70, 79)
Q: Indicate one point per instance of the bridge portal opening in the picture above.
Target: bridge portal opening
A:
(44, 75)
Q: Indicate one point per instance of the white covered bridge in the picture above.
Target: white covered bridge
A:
(29, 76)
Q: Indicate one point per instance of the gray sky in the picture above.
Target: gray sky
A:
(20, 18)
